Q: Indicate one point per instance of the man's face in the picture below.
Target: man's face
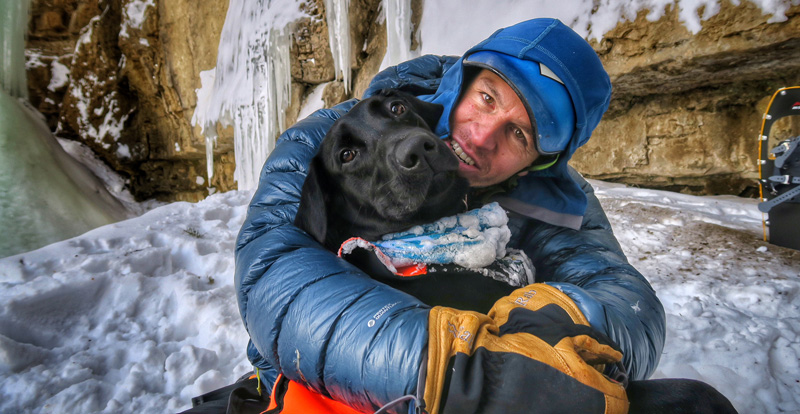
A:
(492, 134)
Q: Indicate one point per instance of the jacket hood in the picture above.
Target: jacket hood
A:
(567, 58)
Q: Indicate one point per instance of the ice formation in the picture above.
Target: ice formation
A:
(12, 48)
(250, 86)
(336, 12)
(398, 32)
(45, 194)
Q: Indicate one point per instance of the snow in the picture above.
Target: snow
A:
(136, 316)
(60, 76)
(141, 315)
(733, 312)
(313, 101)
(134, 15)
(81, 89)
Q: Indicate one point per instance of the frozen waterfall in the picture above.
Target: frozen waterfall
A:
(250, 88)
(45, 194)
(12, 48)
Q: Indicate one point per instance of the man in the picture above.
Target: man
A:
(516, 107)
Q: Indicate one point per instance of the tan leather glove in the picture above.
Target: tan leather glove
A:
(533, 352)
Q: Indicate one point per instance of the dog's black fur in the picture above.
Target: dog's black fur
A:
(380, 170)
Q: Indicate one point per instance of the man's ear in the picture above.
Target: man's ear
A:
(312, 214)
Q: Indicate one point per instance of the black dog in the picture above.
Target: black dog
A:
(380, 170)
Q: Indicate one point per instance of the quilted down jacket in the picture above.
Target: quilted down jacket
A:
(322, 322)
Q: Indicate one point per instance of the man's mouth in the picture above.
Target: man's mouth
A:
(461, 154)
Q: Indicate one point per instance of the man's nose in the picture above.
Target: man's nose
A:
(485, 133)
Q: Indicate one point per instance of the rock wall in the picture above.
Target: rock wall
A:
(686, 109)
(121, 75)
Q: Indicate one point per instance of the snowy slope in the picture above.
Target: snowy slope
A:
(733, 310)
(139, 316)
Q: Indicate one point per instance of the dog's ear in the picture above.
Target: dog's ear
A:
(312, 214)
(430, 112)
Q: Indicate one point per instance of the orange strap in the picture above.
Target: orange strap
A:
(300, 400)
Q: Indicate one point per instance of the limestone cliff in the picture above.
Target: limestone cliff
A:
(686, 108)
(121, 75)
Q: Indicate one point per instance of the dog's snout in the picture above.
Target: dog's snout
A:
(415, 151)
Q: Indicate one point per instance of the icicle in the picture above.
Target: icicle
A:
(251, 84)
(337, 12)
(398, 31)
(13, 14)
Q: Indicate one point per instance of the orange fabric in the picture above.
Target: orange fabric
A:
(412, 270)
(300, 400)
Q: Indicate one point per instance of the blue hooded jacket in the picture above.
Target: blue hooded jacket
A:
(511, 53)
(324, 323)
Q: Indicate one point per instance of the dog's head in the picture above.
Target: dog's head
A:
(379, 170)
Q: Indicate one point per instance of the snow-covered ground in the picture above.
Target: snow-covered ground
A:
(140, 315)
(732, 300)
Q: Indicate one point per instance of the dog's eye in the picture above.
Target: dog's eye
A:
(347, 155)
(398, 108)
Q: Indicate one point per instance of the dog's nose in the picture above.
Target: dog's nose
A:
(415, 151)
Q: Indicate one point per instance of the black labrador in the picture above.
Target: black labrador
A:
(381, 170)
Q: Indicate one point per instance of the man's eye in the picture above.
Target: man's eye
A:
(347, 155)
(398, 108)
(520, 136)
(487, 98)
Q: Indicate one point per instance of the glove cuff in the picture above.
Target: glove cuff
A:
(450, 331)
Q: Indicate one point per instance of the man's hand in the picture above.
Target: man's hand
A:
(533, 352)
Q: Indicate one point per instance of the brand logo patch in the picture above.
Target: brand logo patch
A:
(523, 300)
(460, 333)
(796, 106)
(380, 313)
